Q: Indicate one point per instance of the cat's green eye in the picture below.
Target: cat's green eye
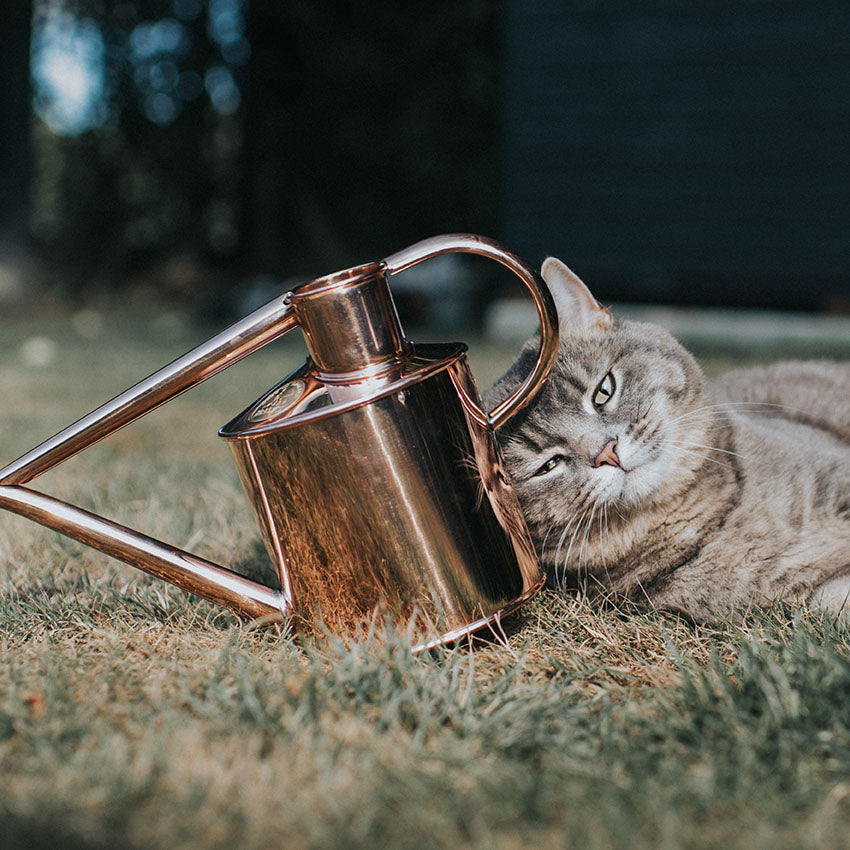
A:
(605, 390)
(549, 465)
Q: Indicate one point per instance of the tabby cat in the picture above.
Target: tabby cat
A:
(637, 476)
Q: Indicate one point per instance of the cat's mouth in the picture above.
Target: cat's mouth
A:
(619, 468)
(630, 483)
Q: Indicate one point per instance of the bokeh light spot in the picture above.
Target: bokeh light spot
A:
(222, 89)
(68, 73)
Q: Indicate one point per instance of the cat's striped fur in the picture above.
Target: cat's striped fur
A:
(637, 476)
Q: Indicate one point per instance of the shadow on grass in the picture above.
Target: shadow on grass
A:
(255, 565)
(18, 833)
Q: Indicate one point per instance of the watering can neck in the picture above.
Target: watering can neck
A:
(350, 322)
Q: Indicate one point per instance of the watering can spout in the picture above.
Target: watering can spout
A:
(190, 572)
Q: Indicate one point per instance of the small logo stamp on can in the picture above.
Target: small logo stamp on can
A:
(278, 401)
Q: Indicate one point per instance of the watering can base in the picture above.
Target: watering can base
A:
(423, 633)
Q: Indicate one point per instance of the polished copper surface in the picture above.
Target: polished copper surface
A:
(398, 506)
(302, 396)
(373, 470)
(350, 323)
(467, 243)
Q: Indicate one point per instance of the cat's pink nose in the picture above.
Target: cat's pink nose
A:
(608, 455)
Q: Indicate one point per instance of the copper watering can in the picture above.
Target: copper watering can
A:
(373, 470)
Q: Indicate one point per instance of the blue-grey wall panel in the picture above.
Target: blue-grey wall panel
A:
(690, 150)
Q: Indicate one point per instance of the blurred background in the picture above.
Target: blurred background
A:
(203, 152)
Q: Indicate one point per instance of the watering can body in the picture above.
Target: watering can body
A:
(374, 473)
(395, 506)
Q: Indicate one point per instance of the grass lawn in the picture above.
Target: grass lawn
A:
(133, 715)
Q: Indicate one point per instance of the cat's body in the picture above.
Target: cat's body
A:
(637, 476)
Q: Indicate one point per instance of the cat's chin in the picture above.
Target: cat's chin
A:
(635, 487)
(643, 483)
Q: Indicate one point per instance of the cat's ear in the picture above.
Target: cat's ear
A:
(576, 306)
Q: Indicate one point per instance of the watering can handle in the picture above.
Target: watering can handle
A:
(469, 244)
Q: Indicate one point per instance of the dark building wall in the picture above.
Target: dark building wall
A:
(691, 151)
(15, 127)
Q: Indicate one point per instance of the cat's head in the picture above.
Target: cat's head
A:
(618, 426)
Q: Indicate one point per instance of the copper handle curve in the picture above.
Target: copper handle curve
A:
(468, 243)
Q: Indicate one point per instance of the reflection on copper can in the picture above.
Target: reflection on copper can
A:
(393, 507)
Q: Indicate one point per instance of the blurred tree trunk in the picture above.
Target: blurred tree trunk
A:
(285, 222)
(365, 129)
(15, 123)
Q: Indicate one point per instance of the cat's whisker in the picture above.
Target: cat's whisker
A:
(586, 536)
(735, 406)
(559, 581)
(607, 534)
(543, 546)
(687, 448)
(561, 543)
(718, 418)
(706, 426)
(546, 536)
(572, 542)
(564, 533)
(704, 457)
(562, 566)
(601, 542)
(707, 410)
(590, 531)
(603, 514)
(708, 423)
(671, 442)
(713, 419)
(720, 405)
(581, 563)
